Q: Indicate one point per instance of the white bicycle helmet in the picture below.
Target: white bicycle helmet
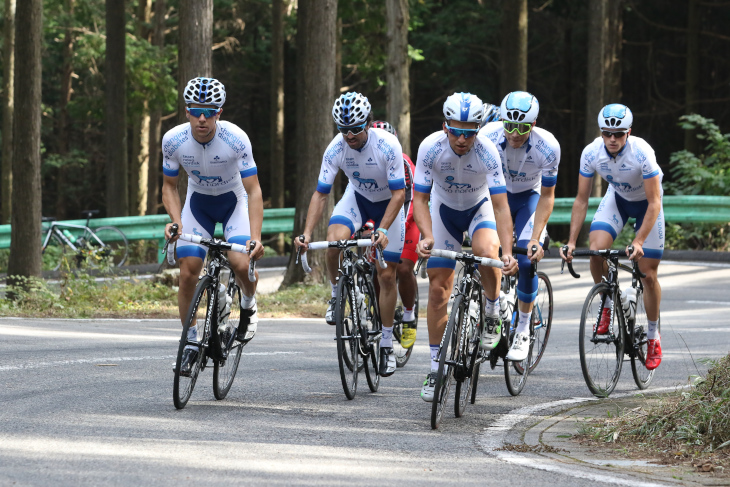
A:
(464, 107)
(520, 107)
(205, 91)
(351, 109)
(615, 116)
(381, 124)
(491, 113)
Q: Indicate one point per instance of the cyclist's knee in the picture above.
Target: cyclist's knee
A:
(387, 275)
(486, 247)
(438, 295)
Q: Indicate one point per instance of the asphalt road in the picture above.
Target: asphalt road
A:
(89, 402)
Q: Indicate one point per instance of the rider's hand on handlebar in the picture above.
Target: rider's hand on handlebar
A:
(258, 250)
(569, 256)
(638, 252)
(168, 235)
(510, 265)
(379, 238)
(424, 248)
(302, 242)
(539, 254)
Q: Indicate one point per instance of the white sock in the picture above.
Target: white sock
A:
(334, 289)
(434, 357)
(247, 302)
(523, 322)
(408, 314)
(653, 332)
(387, 339)
(491, 308)
(609, 302)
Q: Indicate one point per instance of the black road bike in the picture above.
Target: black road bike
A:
(216, 310)
(602, 355)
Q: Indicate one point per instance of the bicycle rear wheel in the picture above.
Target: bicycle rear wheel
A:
(448, 351)
(601, 356)
(542, 318)
(370, 331)
(113, 248)
(642, 376)
(56, 253)
(468, 355)
(515, 373)
(225, 371)
(183, 385)
(348, 336)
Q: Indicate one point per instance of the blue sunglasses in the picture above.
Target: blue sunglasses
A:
(353, 129)
(467, 133)
(206, 112)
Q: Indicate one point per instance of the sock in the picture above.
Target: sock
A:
(408, 314)
(491, 308)
(653, 332)
(523, 323)
(193, 334)
(387, 338)
(247, 302)
(609, 302)
(334, 289)
(434, 357)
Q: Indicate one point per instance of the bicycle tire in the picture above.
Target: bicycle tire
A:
(445, 373)
(642, 376)
(348, 336)
(224, 372)
(469, 355)
(183, 386)
(542, 318)
(516, 373)
(56, 252)
(115, 246)
(601, 358)
(402, 354)
(369, 344)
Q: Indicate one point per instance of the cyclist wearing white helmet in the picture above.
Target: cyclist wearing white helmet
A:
(223, 187)
(373, 162)
(629, 165)
(459, 171)
(491, 114)
(530, 157)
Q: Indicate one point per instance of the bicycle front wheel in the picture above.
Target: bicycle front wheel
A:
(113, 248)
(370, 340)
(56, 253)
(468, 356)
(542, 318)
(515, 373)
(224, 371)
(642, 376)
(601, 356)
(185, 383)
(348, 336)
(448, 353)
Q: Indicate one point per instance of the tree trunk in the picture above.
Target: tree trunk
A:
(153, 168)
(397, 74)
(140, 131)
(117, 175)
(195, 56)
(6, 187)
(277, 110)
(693, 71)
(316, 39)
(597, 29)
(25, 234)
(614, 41)
(513, 51)
(338, 188)
(61, 210)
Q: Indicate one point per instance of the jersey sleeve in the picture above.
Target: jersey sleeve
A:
(587, 161)
(246, 164)
(493, 162)
(330, 165)
(550, 164)
(396, 170)
(428, 151)
(646, 157)
(170, 164)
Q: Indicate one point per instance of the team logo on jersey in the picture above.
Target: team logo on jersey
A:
(624, 167)
(350, 162)
(615, 219)
(364, 182)
(454, 185)
(196, 232)
(604, 167)
(448, 245)
(469, 166)
(189, 161)
(427, 172)
(371, 162)
(618, 185)
(207, 179)
(352, 212)
(517, 174)
(230, 228)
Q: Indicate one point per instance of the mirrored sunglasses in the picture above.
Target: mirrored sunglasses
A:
(354, 130)
(206, 112)
(618, 135)
(521, 127)
(467, 133)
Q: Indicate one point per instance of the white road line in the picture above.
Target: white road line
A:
(494, 437)
(697, 301)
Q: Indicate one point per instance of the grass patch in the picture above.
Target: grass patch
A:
(302, 300)
(688, 426)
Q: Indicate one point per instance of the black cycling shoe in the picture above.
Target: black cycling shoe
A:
(387, 362)
(190, 356)
(248, 324)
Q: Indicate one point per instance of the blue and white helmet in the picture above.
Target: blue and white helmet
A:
(205, 91)
(615, 116)
(464, 107)
(491, 113)
(520, 107)
(351, 109)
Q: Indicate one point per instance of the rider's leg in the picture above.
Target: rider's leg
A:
(407, 283)
(652, 289)
(335, 231)
(387, 299)
(239, 264)
(485, 243)
(599, 240)
(441, 280)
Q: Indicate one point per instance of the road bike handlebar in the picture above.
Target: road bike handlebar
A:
(463, 256)
(523, 251)
(606, 254)
(341, 244)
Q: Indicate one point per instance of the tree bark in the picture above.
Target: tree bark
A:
(61, 210)
(140, 131)
(693, 71)
(153, 168)
(195, 56)
(614, 42)
(6, 186)
(277, 110)
(597, 34)
(397, 75)
(117, 175)
(316, 39)
(25, 234)
(513, 51)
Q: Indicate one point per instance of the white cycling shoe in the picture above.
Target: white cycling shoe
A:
(520, 347)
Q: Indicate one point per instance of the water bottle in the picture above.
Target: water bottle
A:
(503, 310)
(224, 307)
(361, 306)
(69, 235)
(628, 302)
(474, 312)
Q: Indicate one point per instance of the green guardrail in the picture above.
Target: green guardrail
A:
(677, 209)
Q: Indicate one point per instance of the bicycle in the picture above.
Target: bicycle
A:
(91, 247)
(541, 319)
(217, 304)
(459, 353)
(627, 331)
(358, 327)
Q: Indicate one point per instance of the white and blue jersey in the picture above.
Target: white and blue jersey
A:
(626, 196)
(215, 190)
(460, 188)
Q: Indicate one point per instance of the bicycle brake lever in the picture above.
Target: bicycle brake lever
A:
(251, 262)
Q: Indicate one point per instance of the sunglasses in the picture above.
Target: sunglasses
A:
(521, 128)
(354, 130)
(206, 112)
(467, 133)
(618, 135)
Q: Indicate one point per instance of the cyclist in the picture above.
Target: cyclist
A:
(407, 283)
(530, 156)
(373, 162)
(491, 114)
(223, 187)
(635, 190)
(459, 170)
